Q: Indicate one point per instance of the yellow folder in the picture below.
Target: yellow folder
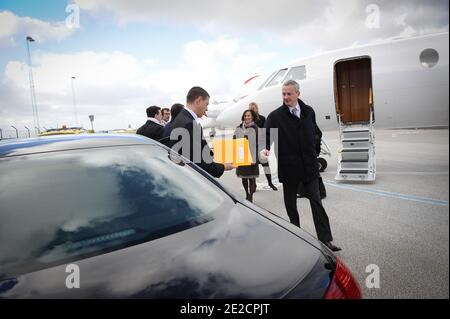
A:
(236, 151)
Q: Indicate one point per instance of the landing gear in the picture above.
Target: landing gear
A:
(322, 164)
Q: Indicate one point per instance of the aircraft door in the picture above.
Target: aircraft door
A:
(353, 90)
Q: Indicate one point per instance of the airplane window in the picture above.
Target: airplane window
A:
(429, 58)
(278, 77)
(267, 80)
(296, 73)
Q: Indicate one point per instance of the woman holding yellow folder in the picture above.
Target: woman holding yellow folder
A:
(249, 130)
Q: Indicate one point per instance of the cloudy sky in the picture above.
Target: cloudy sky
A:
(127, 55)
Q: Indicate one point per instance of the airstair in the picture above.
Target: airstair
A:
(357, 160)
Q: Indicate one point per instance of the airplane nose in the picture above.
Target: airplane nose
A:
(225, 117)
(231, 116)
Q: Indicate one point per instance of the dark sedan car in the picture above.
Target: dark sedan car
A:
(127, 218)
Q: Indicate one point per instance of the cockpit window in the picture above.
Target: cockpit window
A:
(296, 73)
(278, 77)
(267, 80)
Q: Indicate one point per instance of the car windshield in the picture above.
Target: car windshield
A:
(60, 205)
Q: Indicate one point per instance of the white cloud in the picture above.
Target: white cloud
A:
(12, 27)
(117, 87)
(323, 25)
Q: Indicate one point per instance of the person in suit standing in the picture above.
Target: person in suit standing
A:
(152, 128)
(249, 130)
(297, 161)
(174, 111)
(260, 121)
(165, 112)
(187, 134)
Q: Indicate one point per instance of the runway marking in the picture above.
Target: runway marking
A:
(420, 199)
(413, 173)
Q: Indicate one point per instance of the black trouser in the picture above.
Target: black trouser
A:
(320, 217)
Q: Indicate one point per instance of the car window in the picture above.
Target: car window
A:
(59, 205)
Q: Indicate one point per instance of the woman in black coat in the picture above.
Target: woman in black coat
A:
(249, 173)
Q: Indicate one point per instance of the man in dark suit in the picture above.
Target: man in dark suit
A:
(187, 134)
(297, 161)
(152, 128)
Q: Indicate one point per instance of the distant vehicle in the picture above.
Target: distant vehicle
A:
(123, 131)
(139, 221)
(64, 130)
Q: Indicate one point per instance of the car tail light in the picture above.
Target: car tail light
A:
(343, 285)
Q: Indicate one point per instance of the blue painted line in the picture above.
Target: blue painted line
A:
(425, 200)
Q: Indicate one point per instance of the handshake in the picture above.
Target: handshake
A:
(228, 166)
(263, 155)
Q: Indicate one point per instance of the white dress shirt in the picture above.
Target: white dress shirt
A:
(196, 118)
(154, 120)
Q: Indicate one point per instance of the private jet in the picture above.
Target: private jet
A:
(400, 83)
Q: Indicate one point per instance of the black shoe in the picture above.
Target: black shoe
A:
(332, 247)
(273, 187)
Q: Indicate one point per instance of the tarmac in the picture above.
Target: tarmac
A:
(398, 225)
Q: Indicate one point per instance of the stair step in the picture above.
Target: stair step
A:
(355, 161)
(358, 130)
(356, 149)
(354, 135)
(355, 156)
(355, 145)
(356, 139)
(354, 165)
(353, 171)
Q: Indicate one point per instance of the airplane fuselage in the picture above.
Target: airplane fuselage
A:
(409, 84)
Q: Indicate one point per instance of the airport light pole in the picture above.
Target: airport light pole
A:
(74, 102)
(17, 132)
(29, 135)
(91, 118)
(32, 91)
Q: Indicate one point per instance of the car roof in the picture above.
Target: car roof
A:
(67, 142)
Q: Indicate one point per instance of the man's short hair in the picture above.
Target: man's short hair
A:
(195, 92)
(176, 109)
(164, 109)
(152, 110)
(294, 84)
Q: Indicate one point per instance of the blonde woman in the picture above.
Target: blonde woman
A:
(260, 121)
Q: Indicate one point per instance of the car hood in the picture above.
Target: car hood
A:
(238, 254)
